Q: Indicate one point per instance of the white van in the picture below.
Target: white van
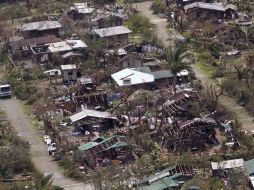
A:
(5, 90)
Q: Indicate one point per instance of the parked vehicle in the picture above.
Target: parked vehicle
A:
(5, 91)
(52, 148)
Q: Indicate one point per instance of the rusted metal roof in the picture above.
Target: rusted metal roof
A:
(33, 41)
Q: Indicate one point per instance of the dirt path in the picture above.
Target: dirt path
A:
(38, 149)
(166, 36)
(243, 116)
(168, 40)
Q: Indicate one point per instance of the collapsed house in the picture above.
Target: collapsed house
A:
(113, 35)
(41, 28)
(103, 152)
(217, 10)
(170, 178)
(189, 134)
(89, 121)
(181, 134)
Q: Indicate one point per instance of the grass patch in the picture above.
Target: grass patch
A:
(206, 69)
(27, 109)
(38, 124)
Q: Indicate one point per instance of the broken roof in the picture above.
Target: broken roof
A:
(93, 148)
(210, 6)
(228, 164)
(131, 76)
(66, 45)
(165, 183)
(33, 41)
(82, 8)
(41, 25)
(90, 113)
(112, 31)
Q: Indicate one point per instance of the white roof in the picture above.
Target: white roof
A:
(59, 47)
(83, 8)
(228, 164)
(135, 77)
(210, 6)
(75, 44)
(66, 45)
(41, 25)
(53, 72)
(112, 31)
(68, 67)
(5, 85)
(90, 113)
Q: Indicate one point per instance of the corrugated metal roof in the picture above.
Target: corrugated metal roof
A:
(249, 166)
(128, 77)
(34, 41)
(163, 74)
(112, 31)
(66, 45)
(210, 6)
(90, 113)
(228, 164)
(41, 25)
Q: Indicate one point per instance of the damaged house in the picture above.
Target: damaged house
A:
(170, 178)
(67, 50)
(70, 73)
(41, 28)
(90, 121)
(210, 10)
(106, 151)
(22, 47)
(81, 11)
(142, 78)
(113, 35)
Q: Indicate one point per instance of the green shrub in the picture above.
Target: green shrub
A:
(24, 90)
(243, 97)
(205, 55)
(158, 7)
(218, 73)
(31, 100)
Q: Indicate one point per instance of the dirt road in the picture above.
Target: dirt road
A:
(167, 37)
(38, 149)
(242, 115)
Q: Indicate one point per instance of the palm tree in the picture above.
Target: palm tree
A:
(178, 59)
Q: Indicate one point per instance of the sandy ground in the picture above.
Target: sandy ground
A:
(40, 157)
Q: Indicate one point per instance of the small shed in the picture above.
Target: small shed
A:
(70, 72)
